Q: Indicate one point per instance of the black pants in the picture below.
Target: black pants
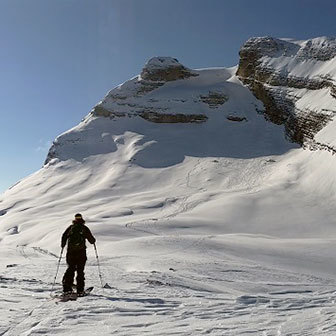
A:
(76, 262)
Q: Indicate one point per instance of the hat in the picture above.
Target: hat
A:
(78, 216)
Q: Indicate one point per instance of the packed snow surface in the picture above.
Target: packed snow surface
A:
(218, 228)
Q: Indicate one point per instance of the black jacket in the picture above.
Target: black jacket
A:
(87, 234)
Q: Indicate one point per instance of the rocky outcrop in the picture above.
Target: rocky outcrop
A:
(100, 111)
(268, 67)
(147, 86)
(173, 118)
(159, 70)
(236, 118)
(214, 99)
(152, 116)
(165, 69)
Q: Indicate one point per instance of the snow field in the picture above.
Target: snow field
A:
(220, 285)
(179, 255)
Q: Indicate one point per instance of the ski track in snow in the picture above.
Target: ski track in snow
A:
(209, 295)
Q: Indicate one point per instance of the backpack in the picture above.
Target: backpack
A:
(76, 237)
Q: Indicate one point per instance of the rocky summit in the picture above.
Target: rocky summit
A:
(164, 69)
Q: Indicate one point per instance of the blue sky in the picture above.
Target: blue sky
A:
(58, 58)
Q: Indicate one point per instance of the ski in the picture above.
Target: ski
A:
(86, 292)
(67, 297)
(61, 297)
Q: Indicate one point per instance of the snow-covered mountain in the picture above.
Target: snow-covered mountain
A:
(196, 183)
(193, 128)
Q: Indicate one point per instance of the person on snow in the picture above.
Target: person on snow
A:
(76, 235)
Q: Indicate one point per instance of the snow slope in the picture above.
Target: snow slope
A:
(220, 227)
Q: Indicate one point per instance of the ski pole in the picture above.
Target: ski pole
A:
(100, 275)
(58, 265)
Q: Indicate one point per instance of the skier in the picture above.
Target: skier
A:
(76, 234)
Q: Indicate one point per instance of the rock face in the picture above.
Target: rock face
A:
(159, 70)
(287, 76)
(165, 69)
(236, 118)
(173, 118)
(214, 99)
(140, 97)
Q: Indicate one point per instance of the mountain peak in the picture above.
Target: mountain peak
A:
(269, 46)
(319, 48)
(165, 69)
(159, 62)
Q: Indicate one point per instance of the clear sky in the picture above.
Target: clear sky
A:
(58, 58)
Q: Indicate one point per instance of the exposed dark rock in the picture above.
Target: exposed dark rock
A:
(236, 118)
(117, 96)
(315, 145)
(164, 69)
(11, 265)
(159, 70)
(271, 86)
(52, 152)
(147, 114)
(148, 86)
(333, 90)
(100, 111)
(214, 99)
(173, 118)
(166, 75)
